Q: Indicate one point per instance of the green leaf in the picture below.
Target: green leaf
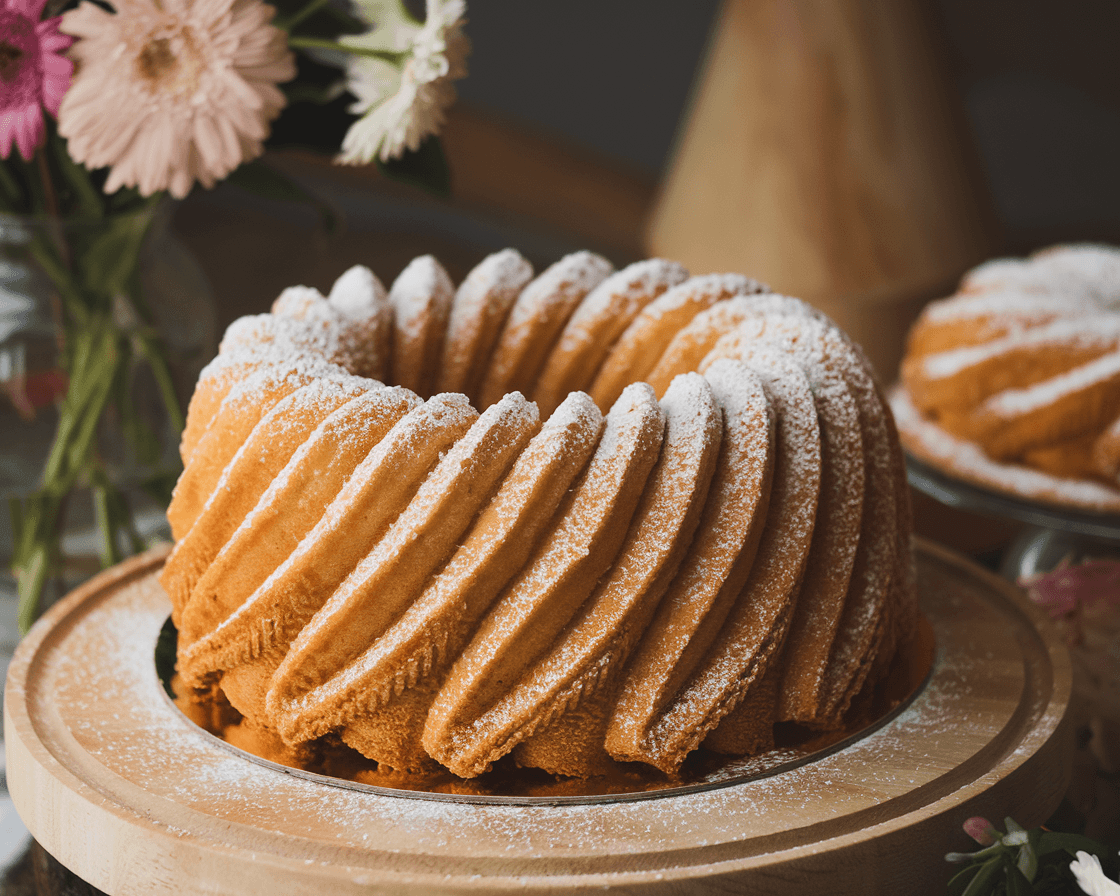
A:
(109, 263)
(1016, 883)
(959, 881)
(88, 198)
(258, 178)
(1051, 841)
(426, 168)
(992, 850)
(14, 195)
(985, 879)
(1027, 862)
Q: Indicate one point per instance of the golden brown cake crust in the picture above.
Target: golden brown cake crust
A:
(573, 589)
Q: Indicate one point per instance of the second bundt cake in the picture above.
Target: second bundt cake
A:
(1014, 381)
(599, 516)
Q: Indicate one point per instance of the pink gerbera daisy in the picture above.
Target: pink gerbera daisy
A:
(33, 74)
(173, 92)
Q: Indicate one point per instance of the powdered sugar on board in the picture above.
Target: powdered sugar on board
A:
(931, 444)
(95, 660)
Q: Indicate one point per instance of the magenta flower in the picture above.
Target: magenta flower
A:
(33, 74)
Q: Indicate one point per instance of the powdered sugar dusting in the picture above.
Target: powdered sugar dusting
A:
(1018, 402)
(421, 297)
(1024, 360)
(932, 444)
(599, 639)
(536, 320)
(1018, 308)
(1078, 270)
(296, 302)
(700, 596)
(548, 591)
(621, 296)
(655, 291)
(717, 286)
(1088, 332)
(757, 624)
(202, 796)
(358, 293)
(565, 282)
(482, 303)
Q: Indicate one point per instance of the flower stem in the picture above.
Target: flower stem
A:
(318, 43)
(32, 579)
(9, 186)
(48, 183)
(106, 525)
(158, 363)
(302, 14)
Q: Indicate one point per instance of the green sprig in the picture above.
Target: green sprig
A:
(1024, 863)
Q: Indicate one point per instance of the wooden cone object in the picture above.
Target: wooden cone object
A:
(825, 154)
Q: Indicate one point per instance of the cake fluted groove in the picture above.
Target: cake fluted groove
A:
(389, 578)
(291, 506)
(535, 323)
(581, 545)
(249, 473)
(374, 495)
(594, 646)
(478, 313)
(642, 343)
(386, 714)
(719, 561)
(602, 316)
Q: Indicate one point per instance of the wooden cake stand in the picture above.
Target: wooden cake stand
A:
(117, 785)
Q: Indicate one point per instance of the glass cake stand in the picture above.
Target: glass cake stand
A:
(1051, 533)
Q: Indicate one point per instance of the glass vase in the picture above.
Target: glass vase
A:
(116, 308)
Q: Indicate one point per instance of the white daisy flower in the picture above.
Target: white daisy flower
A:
(403, 103)
(1090, 876)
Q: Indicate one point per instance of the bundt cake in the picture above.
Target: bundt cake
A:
(600, 516)
(1014, 382)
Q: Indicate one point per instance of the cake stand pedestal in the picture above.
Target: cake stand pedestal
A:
(117, 785)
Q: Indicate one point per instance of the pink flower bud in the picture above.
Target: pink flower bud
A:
(981, 830)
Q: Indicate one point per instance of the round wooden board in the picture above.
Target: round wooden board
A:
(129, 795)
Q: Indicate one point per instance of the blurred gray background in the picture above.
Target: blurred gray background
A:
(1039, 80)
